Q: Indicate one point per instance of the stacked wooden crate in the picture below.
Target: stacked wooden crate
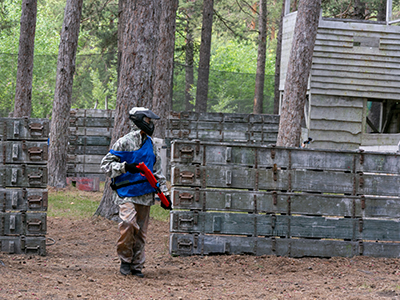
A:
(264, 200)
(89, 141)
(23, 183)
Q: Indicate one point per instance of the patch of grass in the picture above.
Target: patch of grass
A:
(75, 204)
(159, 213)
(72, 203)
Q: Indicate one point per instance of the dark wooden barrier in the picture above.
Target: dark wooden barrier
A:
(231, 198)
(23, 183)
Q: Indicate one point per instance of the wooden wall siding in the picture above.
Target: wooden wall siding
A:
(356, 60)
(23, 183)
(277, 199)
(90, 137)
(350, 59)
(336, 122)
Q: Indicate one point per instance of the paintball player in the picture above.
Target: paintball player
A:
(132, 192)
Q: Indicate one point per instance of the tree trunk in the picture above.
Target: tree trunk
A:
(189, 74)
(62, 95)
(23, 92)
(162, 99)
(138, 62)
(278, 62)
(204, 61)
(262, 49)
(121, 24)
(298, 72)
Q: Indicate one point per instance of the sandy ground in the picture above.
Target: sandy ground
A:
(82, 264)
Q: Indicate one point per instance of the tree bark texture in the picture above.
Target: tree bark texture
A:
(162, 96)
(121, 24)
(136, 79)
(262, 49)
(189, 72)
(278, 62)
(204, 60)
(23, 91)
(298, 72)
(62, 95)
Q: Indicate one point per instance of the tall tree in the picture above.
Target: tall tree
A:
(62, 94)
(23, 91)
(162, 96)
(298, 72)
(136, 79)
(278, 62)
(204, 60)
(262, 49)
(189, 65)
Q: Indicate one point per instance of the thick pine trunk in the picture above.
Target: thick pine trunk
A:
(204, 60)
(62, 95)
(136, 79)
(298, 72)
(262, 49)
(278, 62)
(23, 92)
(162, 97)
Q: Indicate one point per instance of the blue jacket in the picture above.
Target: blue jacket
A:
(133, 185)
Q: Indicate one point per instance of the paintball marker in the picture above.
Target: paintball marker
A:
(153, 182)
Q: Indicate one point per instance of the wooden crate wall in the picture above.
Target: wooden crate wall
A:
(23, 183)
(264, 200)
(89, 141)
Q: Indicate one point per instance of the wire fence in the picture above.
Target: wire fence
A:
(95, 86)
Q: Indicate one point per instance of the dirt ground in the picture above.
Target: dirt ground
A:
(82, 264)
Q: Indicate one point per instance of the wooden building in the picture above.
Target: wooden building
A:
(356, 65)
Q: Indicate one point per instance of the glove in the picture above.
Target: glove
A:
(169, 207)
(132, 168)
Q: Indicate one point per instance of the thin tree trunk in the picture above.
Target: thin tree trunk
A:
(278, 62)
(62, 95)
(262, 49)
(23, 91)
(204, 61)
(165, 65)
(189, 73)
(138, 62)
(298, 72)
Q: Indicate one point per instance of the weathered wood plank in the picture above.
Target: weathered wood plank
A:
(377, 184)
(327, 135)
(370, 84)
(322, 160)
(32, 152)
(84, 168)
(80, 150)
(17, 223)
(336, 113)
(381, 249)
(331, 101)
(322, 182)
(23, 245)
(379, 230)
(333, 125)
(322, 248)
(85, 159)
(370, 139)
(321, 227)
(24, 129)
(91, 122)
(26, 176)
(93, 113)
(378, 163)
(23, 199)
(90, 140)
(381, 207)
(87, 131)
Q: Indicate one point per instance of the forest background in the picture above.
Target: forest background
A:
(233, 59)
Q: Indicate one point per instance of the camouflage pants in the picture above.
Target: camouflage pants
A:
(133, 231)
